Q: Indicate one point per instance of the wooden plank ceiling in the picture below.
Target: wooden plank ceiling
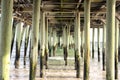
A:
(62, 11)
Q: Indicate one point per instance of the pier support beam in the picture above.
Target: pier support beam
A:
(64, 43)
(19, 30)
(82, 42)
(30, 42)
(119, 47)
(98, 44)
(110, 40)
(116, 47)
(34, 39)
(104, 47)
(46, 44)
(77, 45)
(54, 42)
(87, 5)
(13, 37)
(42, 44)
(5, 38)
(50, 41)
(93, 35)
(66, 46)
(68, 37)
(27, 32)
(71, 42)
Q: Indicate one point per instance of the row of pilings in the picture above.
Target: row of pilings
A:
(40, 24)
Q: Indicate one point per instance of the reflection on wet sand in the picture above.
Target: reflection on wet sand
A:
(57, 70)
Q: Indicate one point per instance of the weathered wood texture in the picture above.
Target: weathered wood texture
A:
(42, 44)
(5, 38)
(77, 45)
(104, 47)
(34, 39)
(19, 30)
(27, 33)
(87, 5)
(110, 40)
(93, 35)
(116, 47)
(98, 44)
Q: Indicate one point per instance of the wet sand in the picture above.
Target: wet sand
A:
(57, 70)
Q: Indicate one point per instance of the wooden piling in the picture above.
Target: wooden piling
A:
(75, 24)
(46, 44)
(119, 47)
(82, 42)
(116, 47)
(93, 33)
(87, 5)
(67, 43)
(13, 37)
(98, 44)
(19, 30)
(50, 41)
(104, 45)
(34, 39)
(30, 43)
(54, 42)
(42, 45)
(27, 31)
(110, 40)
(77, 45)
(5, 38)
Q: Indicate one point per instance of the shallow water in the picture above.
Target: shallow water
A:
(57, 70)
